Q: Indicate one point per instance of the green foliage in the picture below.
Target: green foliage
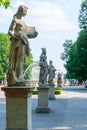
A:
(82, 54)
(35, 91)
(76, 54)
(72, 62)
(58, 90)
(29, 60)
(5, 3)
(83, 15)
(4, 53)
(67, 44)
(76, 65)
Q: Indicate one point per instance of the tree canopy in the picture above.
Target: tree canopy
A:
(5, 3)
(4, 53)
(76, 65)
(67, 44)
(83, 15)
(75, 54)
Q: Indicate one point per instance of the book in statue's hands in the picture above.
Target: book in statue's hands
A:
(31, 32)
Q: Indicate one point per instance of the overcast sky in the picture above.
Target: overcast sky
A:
(55, 21)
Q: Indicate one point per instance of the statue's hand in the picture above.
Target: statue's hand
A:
(11, 33)
(35, 33)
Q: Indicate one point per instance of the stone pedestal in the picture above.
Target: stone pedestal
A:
(51, 93)
(59, 84)
(43, 100)
(18, 108)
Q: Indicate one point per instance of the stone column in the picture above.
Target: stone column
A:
(51, 93)
(18, 108)
(43, 99)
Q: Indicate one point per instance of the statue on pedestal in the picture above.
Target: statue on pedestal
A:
(59, 80)
(19, 49)
(51, 73)
(43, 68)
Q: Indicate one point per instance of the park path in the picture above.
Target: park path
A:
(68, 111)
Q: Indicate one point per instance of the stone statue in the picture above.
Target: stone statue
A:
(59, 80)
(43, 68)
(19, 49)
(51, 73)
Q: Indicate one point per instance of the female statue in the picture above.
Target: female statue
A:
(43, 68)
(51, 73)
(19, 48)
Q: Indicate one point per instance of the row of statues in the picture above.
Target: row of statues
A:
(19, 49)
(47, 72)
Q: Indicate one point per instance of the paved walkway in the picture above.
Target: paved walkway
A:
(68, 111)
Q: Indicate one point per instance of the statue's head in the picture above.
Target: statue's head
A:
(44, 50)
(51, 62)
(22, 10)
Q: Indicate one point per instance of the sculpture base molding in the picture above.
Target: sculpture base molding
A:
(16, 129)
(42, 110)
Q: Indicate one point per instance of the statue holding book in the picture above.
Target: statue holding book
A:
(19, 49)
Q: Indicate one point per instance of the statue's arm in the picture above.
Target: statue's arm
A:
(12, 28)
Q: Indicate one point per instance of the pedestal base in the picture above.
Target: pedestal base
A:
(52, 98)
(51, 93)
(16, 129)
(42, 110)
(43, 100)
(18, 108)
(59, 85)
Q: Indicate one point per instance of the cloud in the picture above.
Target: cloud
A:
(49, 16)
(5, 15)
(45, 15)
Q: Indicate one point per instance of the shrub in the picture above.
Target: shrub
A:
(58, 90)
(35, 91)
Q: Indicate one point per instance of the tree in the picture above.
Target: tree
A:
(5, 3)
(72, 64)
(70, 56)
(76, 64)
(67, 44)
(82, 53)
(4, 53)
(76, 54)
(83, 15)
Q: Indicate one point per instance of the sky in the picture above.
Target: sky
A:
(54, 20)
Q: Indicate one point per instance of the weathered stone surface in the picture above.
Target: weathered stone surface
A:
(43, 100)
(18, 108)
